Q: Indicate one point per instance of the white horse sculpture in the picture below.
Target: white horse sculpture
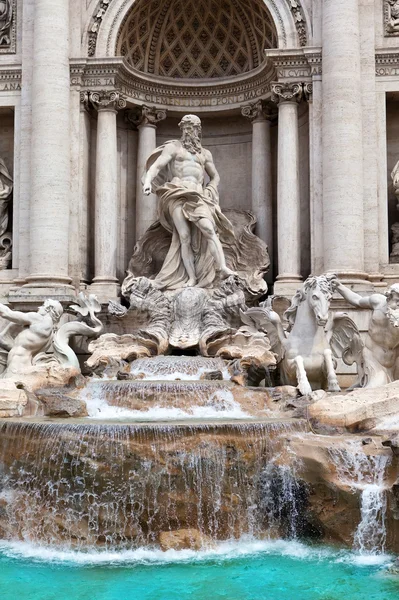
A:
(314, 334)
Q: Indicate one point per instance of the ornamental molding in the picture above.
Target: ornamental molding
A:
(97, 75)
(387, 63)
(103, 100)
(95, 25)
(391, 18)
(145, 115)
(10, 79)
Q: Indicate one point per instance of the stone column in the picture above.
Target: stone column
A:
(260, 116)
(146, 120)
(105, 283)
(50, 151)
(342, 141)
(288, 96)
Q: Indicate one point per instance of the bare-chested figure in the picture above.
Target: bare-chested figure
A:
(382, 341)
(187, 209)
(36, 336)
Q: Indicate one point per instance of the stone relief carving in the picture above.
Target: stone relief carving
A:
(6, 186)
(95, 26)
(259, 110)
(381, 347)
(103, 99)
(34, 349)
(391, 17)
(299, 19)
(313, 337)
(6, 20)
(145, 115)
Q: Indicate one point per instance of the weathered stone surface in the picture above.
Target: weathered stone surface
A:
(13, 399)
(184, 539)
(360, 410)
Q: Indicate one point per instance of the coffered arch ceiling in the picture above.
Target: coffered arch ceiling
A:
(192, 39)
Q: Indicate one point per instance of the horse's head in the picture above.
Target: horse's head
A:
(318, 292)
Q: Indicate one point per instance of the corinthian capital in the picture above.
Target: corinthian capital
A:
(286, 92)
(104, 100)
(145, 115)
(258, 111)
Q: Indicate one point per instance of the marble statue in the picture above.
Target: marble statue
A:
(395, 178)
(381, 347)
(314, 335)
(35, 337)
(6, 15)
(37, 349)
(189, 210)
(393, 16)
(6, 186)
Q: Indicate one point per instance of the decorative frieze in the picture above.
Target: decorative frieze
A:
(10, 80)
(387, 63)
(391, 17)
(287, 92)
(296, 64)
(113, 73)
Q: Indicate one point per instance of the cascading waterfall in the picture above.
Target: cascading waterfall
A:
(366, 474)
(118, 486)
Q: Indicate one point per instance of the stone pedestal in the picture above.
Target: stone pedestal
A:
(105, 283)
(50, 152)
(287, 96)
(146, 120)
(260, 116)
(342, 142)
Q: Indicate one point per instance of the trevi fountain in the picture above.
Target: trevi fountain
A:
(199, 299)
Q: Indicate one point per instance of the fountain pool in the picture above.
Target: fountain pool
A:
(245, 570)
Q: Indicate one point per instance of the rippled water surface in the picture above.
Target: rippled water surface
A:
(240, 571)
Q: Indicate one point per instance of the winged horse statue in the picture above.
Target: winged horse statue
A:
(315, 337)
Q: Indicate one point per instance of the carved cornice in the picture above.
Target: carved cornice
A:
(258, 111)
(291, 65)
(10, 79)
(287, 92)
(104, 100)
(96, 75)
(387, 63)
(299, 19)
(145, 115)
(391, 18)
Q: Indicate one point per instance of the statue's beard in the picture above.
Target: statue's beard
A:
(393, 316)
(191, 142)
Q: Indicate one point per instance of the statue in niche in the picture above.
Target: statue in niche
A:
(392, 8)
(6, 14)
(381, 349)
(189, 210)
(6, 185)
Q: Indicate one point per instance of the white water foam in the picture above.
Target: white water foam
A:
(226, 408)
(221, 551)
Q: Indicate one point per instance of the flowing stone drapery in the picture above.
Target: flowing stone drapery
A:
(260, 116)
(146, 120)
(105, 282)
(50, 152)
(288, 96)
(342, 141)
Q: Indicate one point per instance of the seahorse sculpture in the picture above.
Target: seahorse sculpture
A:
(87, 308)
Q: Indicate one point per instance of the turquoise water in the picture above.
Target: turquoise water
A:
(241, 571)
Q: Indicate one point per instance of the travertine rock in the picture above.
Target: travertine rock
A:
(184, 539)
